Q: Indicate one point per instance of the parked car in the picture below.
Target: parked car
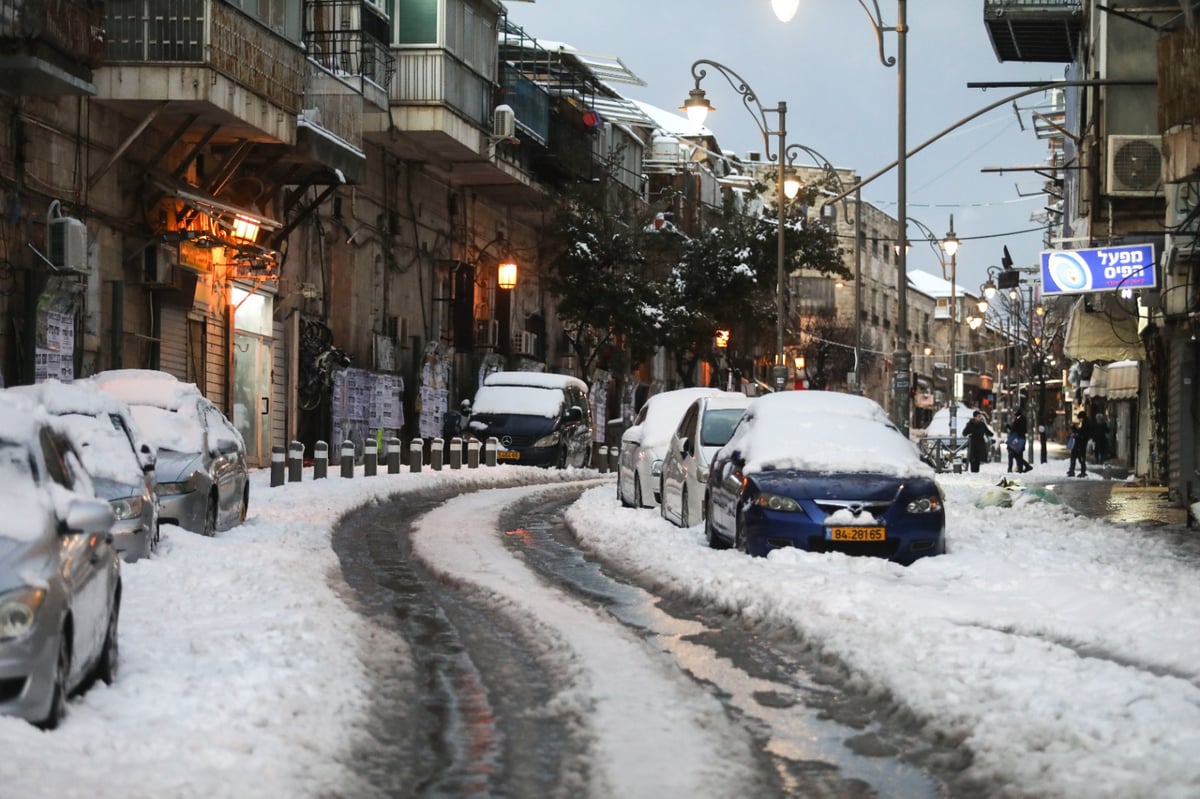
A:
(201, 458)
(823, 472)
(705, 427)
(643, 445)
(539, 419)
(60, 577)
(121, 464)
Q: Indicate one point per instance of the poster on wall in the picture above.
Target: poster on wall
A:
(366, 406)
(54, 344)
(434, 394)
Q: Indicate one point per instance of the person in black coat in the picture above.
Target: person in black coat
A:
(1018, 429)
(1100, 439)
(1081, 433)
(977, 433)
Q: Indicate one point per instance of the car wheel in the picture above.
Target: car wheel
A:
(106, 668)
(714, 540)
(637, 491)
(62, 673)
(210, 517)
(684, 521)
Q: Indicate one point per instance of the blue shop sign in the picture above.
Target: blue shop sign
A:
(1130, 266)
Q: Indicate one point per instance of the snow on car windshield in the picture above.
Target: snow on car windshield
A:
(526, 400)
(24, 506)
(104, 448)
(665, 410)
(179, 431)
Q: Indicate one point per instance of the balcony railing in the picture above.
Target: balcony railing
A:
(529, 102)
(74, 30)
(332, 105)
(336, 35)
(211, 33)
(1178, 81)
(435, 77)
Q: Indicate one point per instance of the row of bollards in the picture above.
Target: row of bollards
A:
(291, 463)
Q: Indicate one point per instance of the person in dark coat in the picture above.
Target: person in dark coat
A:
(1018, 429)
(977, 432)
(1100, 439)
(1081, 433)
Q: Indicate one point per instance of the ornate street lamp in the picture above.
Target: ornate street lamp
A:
(902, 357)
(697, 107)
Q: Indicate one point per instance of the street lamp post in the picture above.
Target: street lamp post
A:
(832, 174)
(950, 245)
(697, 108)
(902, 357)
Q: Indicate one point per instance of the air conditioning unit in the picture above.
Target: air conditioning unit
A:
(487, 333)
(160, 267)
(524, 343)
(504, 123)
(66, 243)
(1135, 165)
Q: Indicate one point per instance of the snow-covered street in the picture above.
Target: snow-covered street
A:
(1063, 652)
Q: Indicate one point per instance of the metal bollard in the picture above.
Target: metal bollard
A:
(347, 458)
(295, 463)
(320, 460)
(492, 445)
(614, 455)
(277, 458)
(597, 459)
(393, 455)
(456, 453)
(437, 451)
(370, 458)
(602, 458)
(473, 453)
(416, 450)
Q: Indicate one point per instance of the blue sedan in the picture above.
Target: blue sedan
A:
(823, 472)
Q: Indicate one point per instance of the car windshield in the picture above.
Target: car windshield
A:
(14, 464)
(103, 447)
(179, 431)
(718, 426)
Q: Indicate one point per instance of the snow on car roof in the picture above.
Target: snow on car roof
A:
(727, 399)
(80, 396)
(147, 387)
(526, 400)
(824, 432)
(536, 379)
(18, 420)
(664, 410)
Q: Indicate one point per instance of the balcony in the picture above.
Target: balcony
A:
(329, 129)
(347, 38)
(49, 47)
(441, 114)
(1034, 30)
(223, 66)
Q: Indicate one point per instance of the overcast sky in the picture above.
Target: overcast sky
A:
(842, 101)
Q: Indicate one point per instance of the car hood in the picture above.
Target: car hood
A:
(116, 489)
(174, 467)
(820, 485)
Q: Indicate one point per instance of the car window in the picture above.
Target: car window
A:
(718, 426)
(105, 449)
(54, 458)
(687, 425)
(220, 433)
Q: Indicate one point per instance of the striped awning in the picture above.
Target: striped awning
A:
(1115, 381)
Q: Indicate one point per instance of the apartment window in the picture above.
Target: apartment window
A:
(814, 295)
(416, 21)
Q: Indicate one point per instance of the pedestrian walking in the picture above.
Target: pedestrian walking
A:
(977, 433)
(1081, 433)
(1100, 439)
(1018, 429)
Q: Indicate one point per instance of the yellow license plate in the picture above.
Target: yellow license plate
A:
(508, 455)
(857, 534)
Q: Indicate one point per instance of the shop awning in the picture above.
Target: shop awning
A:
(1115, 381)
(1110, 334)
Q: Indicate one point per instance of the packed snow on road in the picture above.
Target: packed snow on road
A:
(1063, 652)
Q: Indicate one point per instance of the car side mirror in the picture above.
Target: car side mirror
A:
(573, 414)
(88, 516)
(687, 446)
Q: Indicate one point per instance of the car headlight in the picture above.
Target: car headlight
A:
(128, 508)
(183, 487)
(777, 502)
(656, 468)
(924, 505)
(18, 611)
(548, 441)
